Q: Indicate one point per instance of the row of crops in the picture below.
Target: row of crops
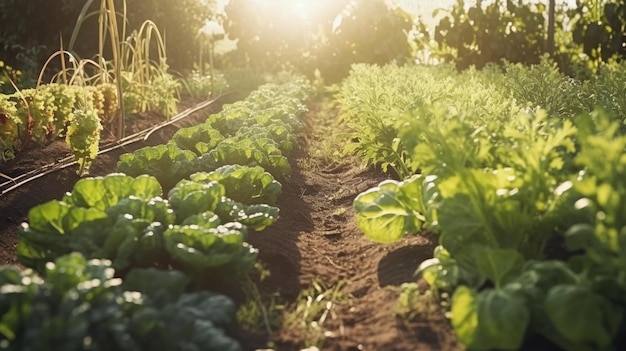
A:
(141, 259)
(521, 172)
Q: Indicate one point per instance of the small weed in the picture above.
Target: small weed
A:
(413, 303)
(313, 308)
(339, 212)
(259, 312)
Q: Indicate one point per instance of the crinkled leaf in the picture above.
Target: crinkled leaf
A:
(207, 219)
(153, 210)
(104, 192)
(249, 185)
(199, 248)
(189, 198)
(199, 139)
(256, 217)
(388, 212)
(167, 163)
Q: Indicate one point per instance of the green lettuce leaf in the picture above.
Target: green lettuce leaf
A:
(104, 192)
(490, 319)
(248, 185)
(391, 210)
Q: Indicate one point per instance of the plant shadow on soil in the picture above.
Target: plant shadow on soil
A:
(316, 238)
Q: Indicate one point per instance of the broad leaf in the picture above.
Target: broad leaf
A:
(490, 319)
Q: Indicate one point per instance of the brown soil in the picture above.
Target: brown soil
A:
(315, 239)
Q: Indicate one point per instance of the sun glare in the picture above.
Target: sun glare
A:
(299, 10)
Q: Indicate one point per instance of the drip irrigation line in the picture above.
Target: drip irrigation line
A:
(65, 162)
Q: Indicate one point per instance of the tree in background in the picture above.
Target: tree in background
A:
(599, 28)
(31, 30)
(499, 30)
(334, 34)
(578, 38)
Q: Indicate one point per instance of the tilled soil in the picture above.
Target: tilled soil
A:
(315, 241)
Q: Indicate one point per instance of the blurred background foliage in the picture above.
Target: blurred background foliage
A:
(330, 37)
(31, 31)
(324, 38)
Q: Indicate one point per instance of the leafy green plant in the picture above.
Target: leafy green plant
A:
(191, 197)
(80, 304)
(596, 28)
(83, 137)
(36, 111)
(391, 210)
(249, 185)
(210, 255)
(167, 163)
(498, 184)
(91, 220)
(197, 85)
(248, 152)
(199, 139)
(9, 128)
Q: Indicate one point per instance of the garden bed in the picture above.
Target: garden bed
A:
(314, 243)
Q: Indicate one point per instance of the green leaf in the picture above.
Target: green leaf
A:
(490, 319)
(153, 210)
(248, 185)
(583, 316)
(256, 217)
(207, 219)
(198, 248)
(189, 198)
(498, 265)
(58, 228)
(104, 192)
(581, 237)
(387, 212)
(199, 139)
(163, 286)
(167, 163)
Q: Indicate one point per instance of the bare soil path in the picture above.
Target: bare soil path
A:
(316, 238)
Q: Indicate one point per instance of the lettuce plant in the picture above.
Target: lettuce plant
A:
(79, 304)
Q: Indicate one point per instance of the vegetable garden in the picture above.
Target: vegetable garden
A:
(375, 204)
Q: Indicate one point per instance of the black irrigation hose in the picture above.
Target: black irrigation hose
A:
(69, 160)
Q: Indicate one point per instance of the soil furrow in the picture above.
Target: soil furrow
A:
(317, 237)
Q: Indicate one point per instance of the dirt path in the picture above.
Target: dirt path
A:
(316, 239)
